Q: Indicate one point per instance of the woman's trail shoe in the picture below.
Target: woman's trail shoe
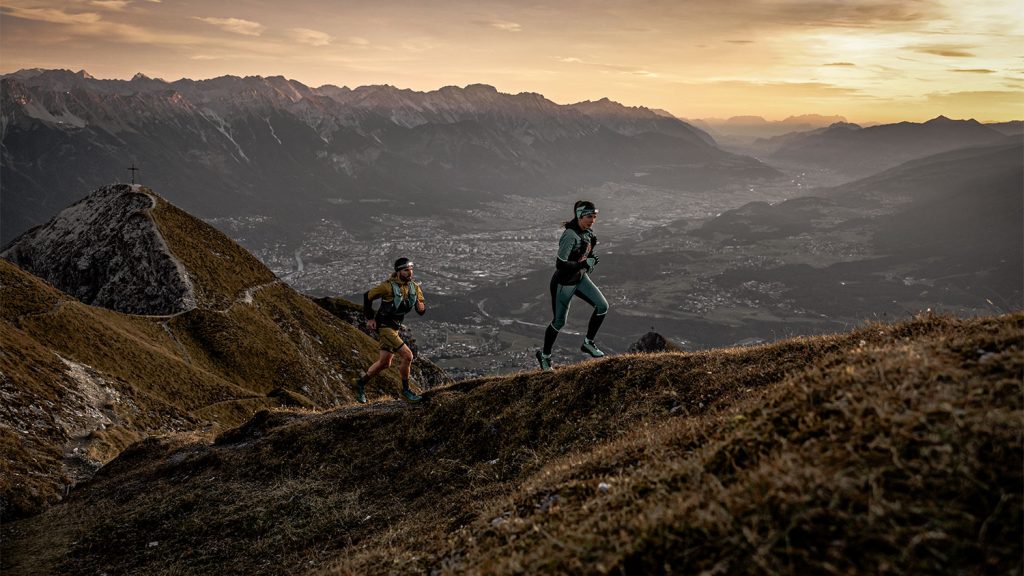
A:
(360, 391)
(590, 348)
(411, 396)
(544, 360)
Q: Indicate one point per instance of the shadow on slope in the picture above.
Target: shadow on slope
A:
(889, 449)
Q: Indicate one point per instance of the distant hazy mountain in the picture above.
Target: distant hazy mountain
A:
(741, 131)
(943, 232)
(1012, 128)
(857, 152)
(212, 338)
(634, 120)
(235, 146)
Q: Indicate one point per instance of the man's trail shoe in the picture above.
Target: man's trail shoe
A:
(360, 391)
(411, 396)
(590, 348)
(544, 360)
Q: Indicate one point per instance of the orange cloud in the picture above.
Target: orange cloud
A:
(51, 15)
(503, 25)
(945, 50)
(235, 25)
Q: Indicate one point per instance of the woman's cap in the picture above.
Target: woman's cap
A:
(402, 264)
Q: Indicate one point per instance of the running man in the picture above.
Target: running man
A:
(398, 295)
(575, 260)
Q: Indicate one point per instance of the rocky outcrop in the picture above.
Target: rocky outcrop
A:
(652, 342)
(107, 251)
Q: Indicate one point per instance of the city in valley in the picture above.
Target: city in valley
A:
(461, 256)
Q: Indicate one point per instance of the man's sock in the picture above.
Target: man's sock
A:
(405, 383)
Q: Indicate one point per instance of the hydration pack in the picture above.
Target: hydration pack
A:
(398, 306)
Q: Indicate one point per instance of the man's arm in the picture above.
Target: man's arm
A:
(368, 297)
(368, 306)
(421, 306)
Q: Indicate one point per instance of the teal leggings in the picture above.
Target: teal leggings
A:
(561, 297)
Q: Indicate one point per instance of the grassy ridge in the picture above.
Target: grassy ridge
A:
(892, 449)
(220, 269)
(207, 368)
(79, 383)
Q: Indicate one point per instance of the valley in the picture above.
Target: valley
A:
(730, 266)
(486, 271)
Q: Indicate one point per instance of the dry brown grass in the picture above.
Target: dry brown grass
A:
(205, 369)
(221, 270)
(893, 449)
(252, 343)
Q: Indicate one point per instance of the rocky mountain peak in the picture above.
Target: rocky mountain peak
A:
(482, 88)
(844, 126)
(106, 250)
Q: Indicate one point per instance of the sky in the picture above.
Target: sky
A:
(867, 60)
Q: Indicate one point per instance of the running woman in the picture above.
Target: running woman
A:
(575, 260)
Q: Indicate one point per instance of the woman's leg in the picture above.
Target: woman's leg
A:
(561, 297)
(591, 294)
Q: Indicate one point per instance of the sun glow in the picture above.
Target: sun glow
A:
(866, 60)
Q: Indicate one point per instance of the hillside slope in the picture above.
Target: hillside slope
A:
(892, 449)
(80, 383)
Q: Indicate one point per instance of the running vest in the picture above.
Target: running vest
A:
(397, 306)
(566, 270)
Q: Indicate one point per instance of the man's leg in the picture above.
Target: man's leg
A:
(404, 368)
(382, 363)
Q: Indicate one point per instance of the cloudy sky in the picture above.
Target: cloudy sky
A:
(868, 60)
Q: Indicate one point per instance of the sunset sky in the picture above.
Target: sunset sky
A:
(870, 61)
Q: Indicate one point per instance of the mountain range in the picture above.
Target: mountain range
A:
(272, 146)
(125, 317)
(741, 131)
(857, 152)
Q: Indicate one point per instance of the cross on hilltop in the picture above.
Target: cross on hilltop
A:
(134, 170)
